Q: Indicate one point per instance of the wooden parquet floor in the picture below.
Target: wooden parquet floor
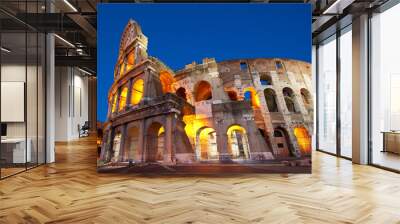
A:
(71, 191)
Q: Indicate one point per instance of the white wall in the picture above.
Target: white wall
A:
(71, 102)
(33, 127)
(16, 73)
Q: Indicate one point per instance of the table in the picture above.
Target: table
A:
(391, 141)
(13, 150)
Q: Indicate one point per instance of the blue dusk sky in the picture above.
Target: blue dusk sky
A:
(182, 33)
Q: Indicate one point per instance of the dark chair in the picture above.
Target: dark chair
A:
(84, 130)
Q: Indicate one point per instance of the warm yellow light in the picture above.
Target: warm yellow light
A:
(122, 98)
(114, 104)
(237, 141)
(255, 100)
(137, 91)
(122, 69)
(192, 125)
(161, 131)
(303, 140)
(130, 61)
(208, 147)
(235, 128)
(131, 58)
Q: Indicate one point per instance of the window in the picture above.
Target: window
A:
(238, 145)
(166, 82)
(306, 97)
(281, 138)
(346, 94)
(289, 100)
(265, 79)
(303, 140)
(278, 65)
(278, 133)
(206, 149)
(137, 91)
(130, 60)
(385, 88)
(243, 66)
(250, 94)
(181, 92)
(203, 91)
(327, 95)
(247, 96)
(114, 103)
(270, 98)
(232, 95)
(122, 98)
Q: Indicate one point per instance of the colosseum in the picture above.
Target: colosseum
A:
(236, 111)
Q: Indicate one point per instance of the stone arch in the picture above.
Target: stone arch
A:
(232, 94)
(116, 145)
(131, 146)
(167, 81)
(118, 68)
(206, 144)
(155, 142)
(251, 95)
(181, 92)
(122, 98)
(303, 139)
(137, 91)
(113, 102)
(238, 143)
(306, 97)
(265, 79)
(203, 91)
(271, 100)
(121, 68)
(282, 140)
(130, 60)
(131, 31)
(290, 100)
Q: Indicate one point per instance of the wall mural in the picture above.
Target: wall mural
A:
(241, 115)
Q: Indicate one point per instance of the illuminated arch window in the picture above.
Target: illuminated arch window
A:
(181, 92)
(303, 140)
(114, 103)
(122, 99)
(137, 91)
(238, 144)
(166, 80)
(270, 99)
(130, 60)
(250, 94)
(203, 91)
(206, 144)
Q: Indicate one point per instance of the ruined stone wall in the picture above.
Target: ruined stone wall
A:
(241, 75)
